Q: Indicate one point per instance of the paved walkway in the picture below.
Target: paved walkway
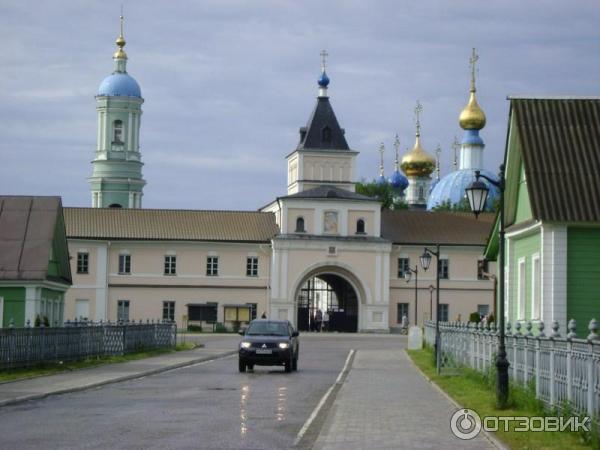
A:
(385, 403)
(39, 387)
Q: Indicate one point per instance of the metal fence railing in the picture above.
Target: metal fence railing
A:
(25, 347)
(563, 369)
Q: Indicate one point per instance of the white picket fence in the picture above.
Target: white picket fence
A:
(564, 369)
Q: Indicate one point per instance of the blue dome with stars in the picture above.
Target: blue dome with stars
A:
(119, 84)
(451, 188)
(323, 80)
(398, 181)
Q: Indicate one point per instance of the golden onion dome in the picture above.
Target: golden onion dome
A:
(472, 117)
(418, 162)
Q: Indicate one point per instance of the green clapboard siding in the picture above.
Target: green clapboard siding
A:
(583, 276)
(14, 305)
(523, 205)
(524, 247)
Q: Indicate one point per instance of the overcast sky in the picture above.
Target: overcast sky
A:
(227, 84)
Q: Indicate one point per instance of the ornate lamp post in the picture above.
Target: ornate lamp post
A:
(477, 193)
(407, 277)
(425, 262)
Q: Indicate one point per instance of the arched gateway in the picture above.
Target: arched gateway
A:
(334, 292)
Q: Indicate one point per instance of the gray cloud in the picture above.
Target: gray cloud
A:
(227, 84)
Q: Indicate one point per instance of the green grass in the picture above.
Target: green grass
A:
(57, 367)
(473, 390)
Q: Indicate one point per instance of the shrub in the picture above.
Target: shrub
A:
(194, 328)
(474, 317)
(220, 328)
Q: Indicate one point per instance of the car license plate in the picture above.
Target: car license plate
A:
(263, 351)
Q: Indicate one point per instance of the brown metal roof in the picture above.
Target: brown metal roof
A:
(167, 224)
(27, 231)
(430, 227)
(560, 144)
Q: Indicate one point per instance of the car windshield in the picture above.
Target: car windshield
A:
(267, 329)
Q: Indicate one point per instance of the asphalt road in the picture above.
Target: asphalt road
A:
(210, 405)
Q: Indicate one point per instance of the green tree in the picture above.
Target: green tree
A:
(385, 193)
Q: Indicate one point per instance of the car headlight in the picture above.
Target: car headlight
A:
(283, 345)
(246, 345)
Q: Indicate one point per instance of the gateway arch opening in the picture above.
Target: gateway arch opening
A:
(330, 298)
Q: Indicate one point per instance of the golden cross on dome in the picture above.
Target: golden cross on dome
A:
(397, 145)
(455, 147)
(472, 60)
(438, 152)
(324, 56)
(418, 111)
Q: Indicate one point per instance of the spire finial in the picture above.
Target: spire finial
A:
(418, 111)
(472, 60)
(323, 80)
(381, 151)
(324, 56)
(438, 152)
(397, 148)
(120, 53)
(455, 147)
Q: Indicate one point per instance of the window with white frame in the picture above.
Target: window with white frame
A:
(402, 311)
(444, 312)
(125, 264)
(444, 268)
(168, 310)
(403, 267)
(83, 262)
(123, 310)
(170, 265)
(252, 266)
(212, 266)
(536, 288)
(521, 289)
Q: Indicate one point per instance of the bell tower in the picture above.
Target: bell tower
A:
(116, 181)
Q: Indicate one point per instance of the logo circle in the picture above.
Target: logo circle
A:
(465, 424)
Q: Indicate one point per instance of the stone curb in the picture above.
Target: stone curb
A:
(493, 440)
(133, 376)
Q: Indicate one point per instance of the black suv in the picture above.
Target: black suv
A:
(269, 343)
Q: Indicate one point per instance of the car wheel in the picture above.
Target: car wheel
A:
(250, 366)
(288, 364)
(242, 365)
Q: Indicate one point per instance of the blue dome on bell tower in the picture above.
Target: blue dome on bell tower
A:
(120, 84)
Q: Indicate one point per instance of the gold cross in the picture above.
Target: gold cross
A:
(418, 111)
(324, 56)
(472, 60)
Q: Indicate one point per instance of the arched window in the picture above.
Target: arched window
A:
(300, 225)
(360, 226)
(114, 205)
(118, 132)
(326, 135)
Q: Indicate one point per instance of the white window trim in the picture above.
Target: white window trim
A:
(213, 254)
(170, 253)
(536, 258)
(521, 288)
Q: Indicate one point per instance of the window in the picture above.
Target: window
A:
(483, 310)
(82, 309)
(252, 307)
(421, 193)
(212, 266)
(444, 312)
(252, 266)
(300, 225)
(117, 132)
(125, 264)
(123, 310)
(444, 268)
(402, 311)
(536, 287)
(326, 134)
(521, 291)
(168, 311)
(237, 313)
(83, 259)
(482, 267)
(403, 267)
(170, 265)
(360, 226)
(203, 313)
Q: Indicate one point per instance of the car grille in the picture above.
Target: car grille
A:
(268, 344)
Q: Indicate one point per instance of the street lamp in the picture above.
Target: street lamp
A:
(425, 263)
(477, 193)
(407, 277)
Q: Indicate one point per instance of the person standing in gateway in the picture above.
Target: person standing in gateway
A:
(318, 320)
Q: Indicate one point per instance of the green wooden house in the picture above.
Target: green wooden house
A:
(552, 210)
(34, 260)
